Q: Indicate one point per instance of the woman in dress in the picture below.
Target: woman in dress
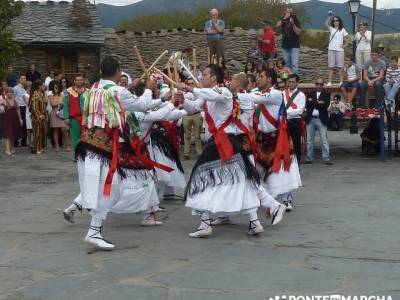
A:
(57, 124)
(12, 129)
(37, 108)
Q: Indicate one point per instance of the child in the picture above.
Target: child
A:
(13, 123)
(253, 55)
(350, 79)
(336, 111)
(392, 84)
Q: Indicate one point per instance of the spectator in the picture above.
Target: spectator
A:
(261, 67)
(392, 84)
(350, 79)
(192, 124)
(12, 121)
(57, 123)
(123, 81)
(291, 29)
(252, 83)
(373, 75)
(253, 56)
(11, 78)
(49, 79)
(19, 93)
(3, 86)
(37, 108)
(336, 111)
(271, 64)
(214, 30)
(281, 84)
(64, 84)
(317, 119)
(338, 40)
(267, 41)
(32, 75)
(363, 43)
(29, 139)
(282, 70)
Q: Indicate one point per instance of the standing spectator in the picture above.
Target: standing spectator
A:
(336, 111)
(392, 84)
(32, 75)
(267, 41)
(373, 75)
(214, 30)
(64, 84)
(192, 123)
(295, 102)
(317, 119)
(57, 124)
(253, 56)
(123, 81)
(37, 107)
(350, 79)
(11, 78)
(291, 29)
(3, 86)
(73, 106)
(12, 121)
(280, 84)
(19, 93)
(28, 120)
(282, 70)
(363, 43)
(49, 79)
(338, 40)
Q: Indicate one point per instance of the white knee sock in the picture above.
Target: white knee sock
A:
(266, 199)
(254, 217)
(95, 225)
(205, 220)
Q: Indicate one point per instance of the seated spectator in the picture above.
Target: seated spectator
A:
(373, 76)
(392, 84)
(336, 111)
(13, 122)
(253, 56)
(350, 79)
(282, 70)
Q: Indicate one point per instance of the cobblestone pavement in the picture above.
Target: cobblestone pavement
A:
(341, 238)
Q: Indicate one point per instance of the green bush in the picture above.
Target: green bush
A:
(314, 39)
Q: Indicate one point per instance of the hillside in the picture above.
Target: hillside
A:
(112, 16)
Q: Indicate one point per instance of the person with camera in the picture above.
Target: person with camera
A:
(291, 29)
(338, 40)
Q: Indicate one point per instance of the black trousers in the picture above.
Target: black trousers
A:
(22, 109)
(295, 132)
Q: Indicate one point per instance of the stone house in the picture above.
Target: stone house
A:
(61, 36)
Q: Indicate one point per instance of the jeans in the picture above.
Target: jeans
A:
(291, 57)
(391, 90)
(316, 124)
(379, 92)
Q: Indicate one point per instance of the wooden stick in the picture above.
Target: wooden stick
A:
(155, 62)
(187, 70)
(194, 61)
(208, 56)
(139, 57)
(176, 75)
(165, 76)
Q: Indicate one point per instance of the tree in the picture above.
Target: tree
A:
(9, 9)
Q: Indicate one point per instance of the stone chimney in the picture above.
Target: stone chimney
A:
(80, 14)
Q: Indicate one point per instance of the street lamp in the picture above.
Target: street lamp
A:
(354, 6)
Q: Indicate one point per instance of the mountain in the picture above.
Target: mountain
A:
(112, 16)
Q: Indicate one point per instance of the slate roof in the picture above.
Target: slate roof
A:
(48, 23)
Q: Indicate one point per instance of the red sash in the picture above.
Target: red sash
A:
(268, 116)
(172, 133)
(282, 148)
(224, 146)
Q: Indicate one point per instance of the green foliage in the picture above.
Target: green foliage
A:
(9, 48)
(237, 13)
(314, 39)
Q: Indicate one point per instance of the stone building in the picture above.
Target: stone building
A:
(62, 36)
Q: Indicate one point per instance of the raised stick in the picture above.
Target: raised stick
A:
(139, 57)
(187, 70)
(155, 62)
(165, 76)
(194, 61)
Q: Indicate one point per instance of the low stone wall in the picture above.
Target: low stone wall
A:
(313, 62)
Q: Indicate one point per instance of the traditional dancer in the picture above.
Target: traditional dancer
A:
(275, 156)
(74, 98)
(223, 180)
(115, 174)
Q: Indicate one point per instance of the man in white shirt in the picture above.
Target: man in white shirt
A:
(295, 102)
(49, 79)
(19, 93)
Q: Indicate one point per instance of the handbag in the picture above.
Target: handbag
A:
(330, 40)
(60, 112)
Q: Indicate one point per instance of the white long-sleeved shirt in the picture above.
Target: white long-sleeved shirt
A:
(220, 104)
(246, 109)
(298, 105)
(272, 101)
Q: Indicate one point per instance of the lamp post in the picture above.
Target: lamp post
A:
(354, 6)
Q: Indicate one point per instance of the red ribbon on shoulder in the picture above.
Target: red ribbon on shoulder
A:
(282, 148)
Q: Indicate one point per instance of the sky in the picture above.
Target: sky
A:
(381, 3)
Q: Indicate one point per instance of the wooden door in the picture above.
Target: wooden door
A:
(63, 61)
